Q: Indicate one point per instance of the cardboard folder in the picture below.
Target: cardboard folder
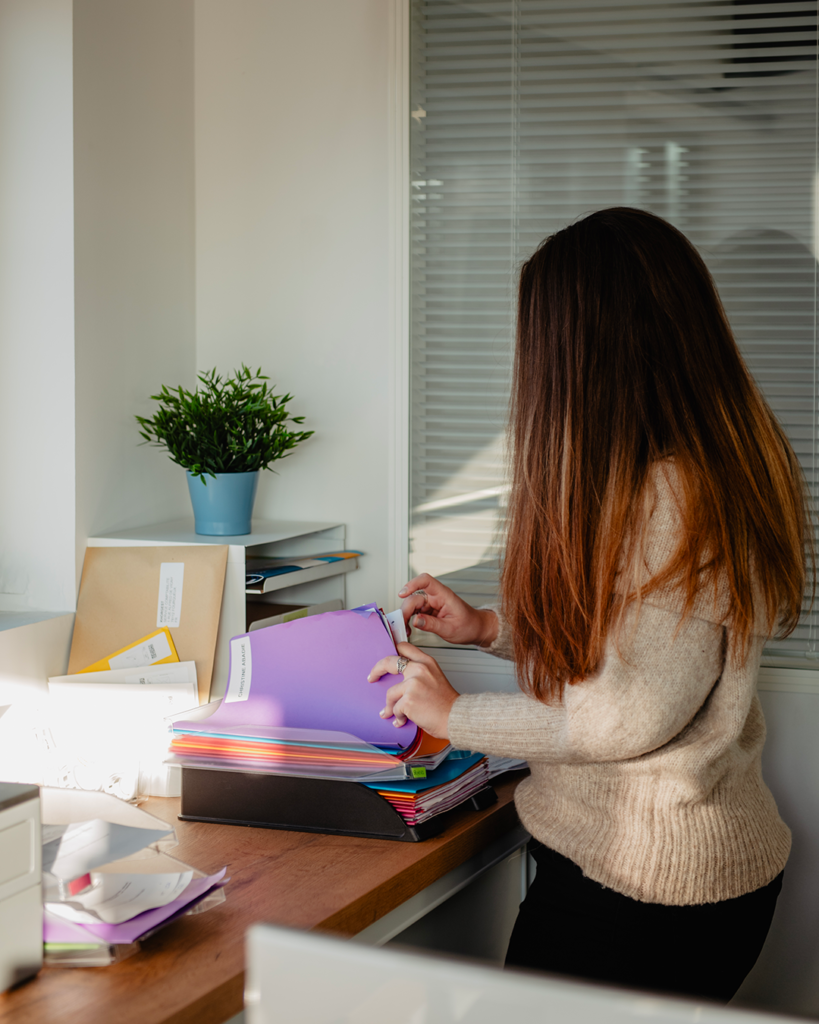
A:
(120, 596)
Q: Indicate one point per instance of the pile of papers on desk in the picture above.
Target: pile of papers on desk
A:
(298, 702)
(109, 727)
(458, 779)
(104, 729)
(108, 880)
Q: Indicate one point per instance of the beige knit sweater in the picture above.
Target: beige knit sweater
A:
(647, 775)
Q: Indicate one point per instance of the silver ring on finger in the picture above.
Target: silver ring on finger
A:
(423, 593)
(402, 664)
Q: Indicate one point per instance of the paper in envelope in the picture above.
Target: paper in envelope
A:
(156, 648)
(129, 592)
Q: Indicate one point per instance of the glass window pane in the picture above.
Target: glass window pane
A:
(530, 113)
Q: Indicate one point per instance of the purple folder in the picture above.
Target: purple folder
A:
(56, 929)
(311, 673)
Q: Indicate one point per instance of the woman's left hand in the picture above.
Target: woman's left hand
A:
(425, 696)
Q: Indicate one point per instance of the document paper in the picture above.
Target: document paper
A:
(58, 930)
(86, 845)
(114, 898)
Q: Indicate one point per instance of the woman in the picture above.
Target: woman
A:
(656, 535)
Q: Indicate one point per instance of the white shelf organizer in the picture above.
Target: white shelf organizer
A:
(268, 538)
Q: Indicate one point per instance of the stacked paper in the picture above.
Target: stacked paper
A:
(443, 788)
(298, 702)
(157, 900)
(498, 765)
(104, 730)
(110, 727)
(107, 883)
(427, 751)
(321, 753)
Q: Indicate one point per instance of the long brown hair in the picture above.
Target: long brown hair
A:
(624, 358)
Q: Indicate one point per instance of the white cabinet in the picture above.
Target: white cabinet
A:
(272, 538)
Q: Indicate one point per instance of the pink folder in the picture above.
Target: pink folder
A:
(311, 674)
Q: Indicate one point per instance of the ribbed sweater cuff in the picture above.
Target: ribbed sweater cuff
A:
(501, 646)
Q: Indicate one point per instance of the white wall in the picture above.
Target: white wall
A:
(97, 210)
(134, 174)
(36, 306)
(289, 230)
(292, 243)
(30, 654)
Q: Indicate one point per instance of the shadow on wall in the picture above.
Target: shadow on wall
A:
(786, 976)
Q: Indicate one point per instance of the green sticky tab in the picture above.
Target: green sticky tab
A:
(419, 773)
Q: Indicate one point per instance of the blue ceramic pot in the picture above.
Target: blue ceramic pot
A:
(222, 506)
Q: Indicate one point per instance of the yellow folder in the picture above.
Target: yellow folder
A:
(156, 648)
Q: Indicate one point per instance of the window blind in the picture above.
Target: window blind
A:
(527, 114)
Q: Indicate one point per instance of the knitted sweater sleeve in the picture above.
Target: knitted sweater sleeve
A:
(652, 683)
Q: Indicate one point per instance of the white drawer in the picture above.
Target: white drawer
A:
(20, 850)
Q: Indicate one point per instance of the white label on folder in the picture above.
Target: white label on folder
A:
(169, 605)
(397, 626)
(240, 670)
(146, 653)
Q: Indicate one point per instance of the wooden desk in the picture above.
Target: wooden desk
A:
(192, 972)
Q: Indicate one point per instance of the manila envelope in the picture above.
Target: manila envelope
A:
(120, 602)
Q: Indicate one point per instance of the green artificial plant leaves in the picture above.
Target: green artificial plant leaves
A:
(233, 424)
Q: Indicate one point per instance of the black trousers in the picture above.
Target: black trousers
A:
(570, 925)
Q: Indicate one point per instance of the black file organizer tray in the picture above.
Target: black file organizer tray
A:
(300, 804)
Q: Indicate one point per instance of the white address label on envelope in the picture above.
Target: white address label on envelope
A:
(169, 604)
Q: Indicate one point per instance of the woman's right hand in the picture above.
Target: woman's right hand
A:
(440, 611)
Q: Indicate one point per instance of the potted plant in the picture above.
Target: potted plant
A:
(223, 434)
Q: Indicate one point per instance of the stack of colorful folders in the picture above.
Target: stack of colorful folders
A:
(298, 702)
(456, 780)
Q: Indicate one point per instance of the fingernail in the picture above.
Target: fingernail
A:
(403, 592)
(383, 712)
(397, 724)
(370, 677)
(419, 621)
